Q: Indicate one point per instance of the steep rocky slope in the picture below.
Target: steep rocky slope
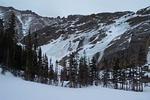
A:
(109, 36)
(26, 19)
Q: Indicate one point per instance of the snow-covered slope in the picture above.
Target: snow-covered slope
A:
(100, 35)
(59, 48)
(12, 88)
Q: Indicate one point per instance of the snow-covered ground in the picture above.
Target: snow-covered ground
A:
(12, 88)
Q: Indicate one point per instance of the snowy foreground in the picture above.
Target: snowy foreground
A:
(12, 88)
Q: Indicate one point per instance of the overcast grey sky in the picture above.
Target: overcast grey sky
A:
(67, 7)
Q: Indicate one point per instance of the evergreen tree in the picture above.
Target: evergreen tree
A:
(64, 76)
(35, 64)
(2, 50)
(105, 76)
(115, 73)
(39, 69)
(45, 69)
(1, 40)
(83, 72)
(23, 58)
(140, 72)
(10, 40)
(93, 72)
(35, 42)
(17, 65)
(72, 71)
(12, 52)
(56, 74)
(35, 57)
(51, 73)
(29, 71)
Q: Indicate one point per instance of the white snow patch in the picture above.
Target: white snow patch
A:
(129, 39)
(1, 15)
(148, 8)
(115, 31)
(25, 24)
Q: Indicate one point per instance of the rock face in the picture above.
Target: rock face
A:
(133, 45)
(109, 36)
(26, 19)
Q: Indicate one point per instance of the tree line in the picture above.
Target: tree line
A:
(22, 60)
(28, 61)
(84, 72)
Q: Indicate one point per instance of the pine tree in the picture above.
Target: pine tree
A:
(35, 42)
(93, 72)
(1, 40)
(10, 40)
(29, 71)
(17, 65)
(35, 57)
(45, 69)
(2, 50)
(105, 76)
(140, 72)
(86, 70)
(115, 73)
(39, 69)
(122, 78)
(56, 78)
(51, 73)
(83, 72)
(35, 64)
(72, 71)
(64, 75)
